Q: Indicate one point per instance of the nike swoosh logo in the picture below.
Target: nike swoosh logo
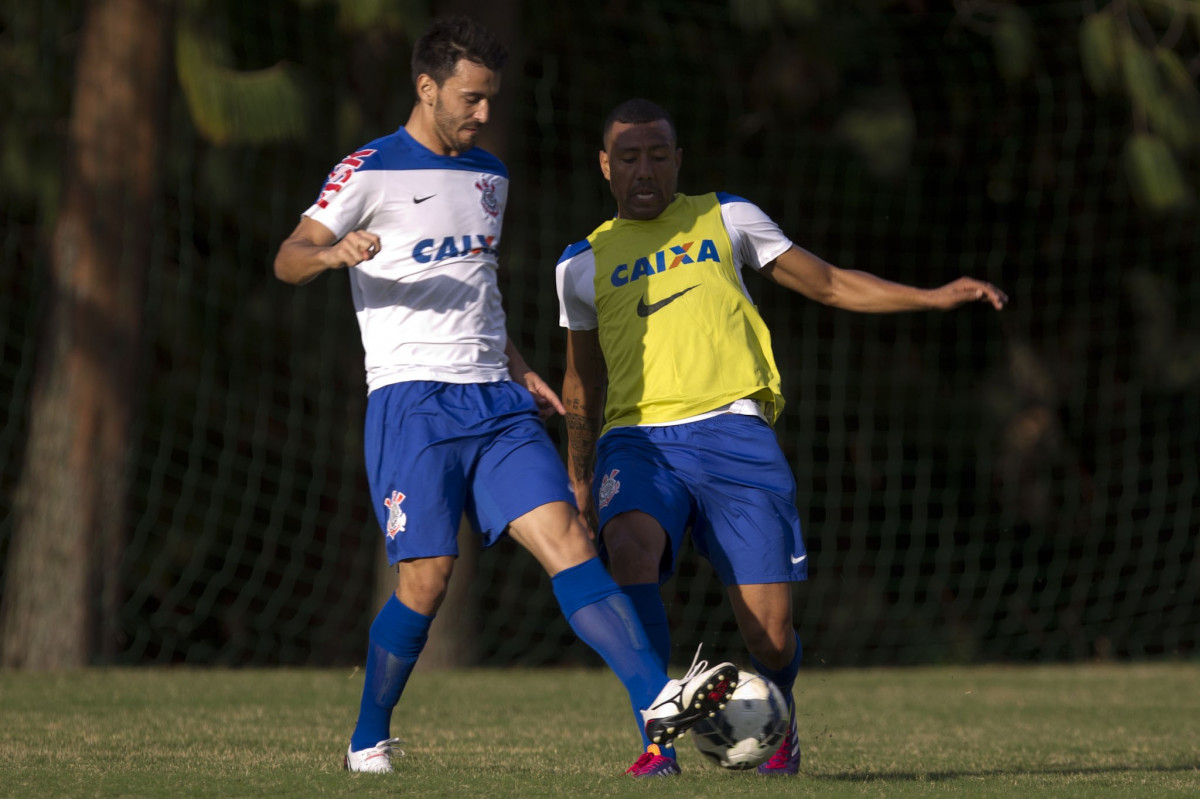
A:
(796, 560)
(419, 200)
(645, 310)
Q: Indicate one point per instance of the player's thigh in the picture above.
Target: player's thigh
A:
(518, 469)
(746, 524)
(415, 470)
(635, 546)
(643, 506)
(554, 535)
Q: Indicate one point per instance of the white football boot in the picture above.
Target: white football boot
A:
(697, 695)
(376, 759)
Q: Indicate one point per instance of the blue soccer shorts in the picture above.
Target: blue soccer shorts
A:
(435, 450)
(725, 477)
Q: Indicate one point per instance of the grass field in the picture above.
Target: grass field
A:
(1063, 731)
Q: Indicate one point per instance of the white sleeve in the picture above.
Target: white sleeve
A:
(756, 239)
(347, 199)
(574, 278)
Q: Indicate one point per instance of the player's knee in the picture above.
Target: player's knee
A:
(575, 543)
(633, 555)
(773, 648)
(422, 584)
(558, 540)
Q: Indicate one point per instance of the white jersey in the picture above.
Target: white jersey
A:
(428, 305)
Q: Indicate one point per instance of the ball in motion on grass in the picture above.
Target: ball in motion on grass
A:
(750, 728)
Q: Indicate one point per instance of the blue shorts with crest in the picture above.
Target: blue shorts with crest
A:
(436, 450)
(725, 477)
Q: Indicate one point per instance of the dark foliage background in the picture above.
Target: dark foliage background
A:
(974, 486)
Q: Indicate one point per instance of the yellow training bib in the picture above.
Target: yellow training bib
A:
(679, 334)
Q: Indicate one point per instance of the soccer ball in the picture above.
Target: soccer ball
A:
(750, 728)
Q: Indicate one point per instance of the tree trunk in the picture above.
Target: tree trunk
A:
(62, 595)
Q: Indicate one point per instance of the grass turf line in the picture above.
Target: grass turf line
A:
(1064, 731)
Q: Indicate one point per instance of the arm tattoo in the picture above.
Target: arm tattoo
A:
(581, 443)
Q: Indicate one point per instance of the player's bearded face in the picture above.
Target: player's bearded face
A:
(641, 162)
(463, 105)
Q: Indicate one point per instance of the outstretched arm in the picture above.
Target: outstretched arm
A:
(852, 290)
(583, 396)
(312, 248)
(547, 401)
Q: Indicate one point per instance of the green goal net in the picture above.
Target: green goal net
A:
(973, 486)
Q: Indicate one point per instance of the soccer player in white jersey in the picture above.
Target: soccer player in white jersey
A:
(452, 421)
(664, 340)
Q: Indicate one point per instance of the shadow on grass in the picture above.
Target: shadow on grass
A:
(937, 776)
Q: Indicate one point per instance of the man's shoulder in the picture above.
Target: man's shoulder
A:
(692, 205)
(725, 198)
(713, 198)
(478, 159)
(574, 253)
(376, 153)
(738, 213)
(399, 151)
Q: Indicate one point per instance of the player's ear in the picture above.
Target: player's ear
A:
(427, 89)
(604, 165)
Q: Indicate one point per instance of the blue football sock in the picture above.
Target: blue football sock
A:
(605, 620)
(785, 678)
(398, 635)
(648, 604)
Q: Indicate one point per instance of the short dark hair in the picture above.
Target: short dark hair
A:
(637, 111)
(451, 39)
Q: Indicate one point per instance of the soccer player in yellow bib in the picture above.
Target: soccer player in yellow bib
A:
(662, 337)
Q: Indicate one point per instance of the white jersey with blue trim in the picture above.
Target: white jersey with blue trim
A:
(428, 304)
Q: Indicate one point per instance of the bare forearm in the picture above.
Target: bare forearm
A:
(583, 427)
(583, 407)
(807, 274)
(544, 397)
(517, 368)
(860, 291)
(312, 249)
(300, 261)
(852, 290)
